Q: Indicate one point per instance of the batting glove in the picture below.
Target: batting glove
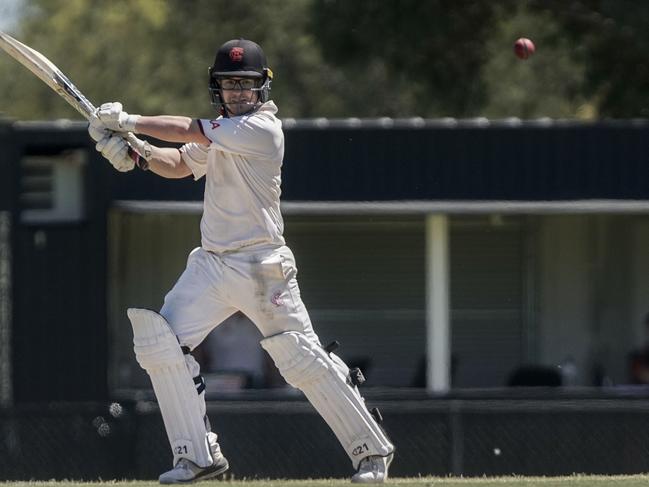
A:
(115, 118)
(116, 149)
(97, 129)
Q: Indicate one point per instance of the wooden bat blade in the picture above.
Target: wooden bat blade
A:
(47, 72)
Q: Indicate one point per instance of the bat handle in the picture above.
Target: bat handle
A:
(140, 161)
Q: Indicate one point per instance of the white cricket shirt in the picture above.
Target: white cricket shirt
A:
(242, 167)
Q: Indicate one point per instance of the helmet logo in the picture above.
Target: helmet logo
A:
(236, 54)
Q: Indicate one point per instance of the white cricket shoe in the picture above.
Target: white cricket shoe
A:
(187, 471)
(373, 470)
(215, 448)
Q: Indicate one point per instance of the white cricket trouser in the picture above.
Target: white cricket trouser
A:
(261, 284)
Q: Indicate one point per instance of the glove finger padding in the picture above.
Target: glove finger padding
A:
(99, 146)
(125, 164)
(113, 116)
(115, 148)
(97, 129)
(110, 111)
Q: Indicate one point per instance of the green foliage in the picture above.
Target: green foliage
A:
(153, 55)
(612, 39)
(549, 84)
(424, 56)
(342, 58)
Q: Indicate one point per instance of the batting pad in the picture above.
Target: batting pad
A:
(324, 381)
(158, 352)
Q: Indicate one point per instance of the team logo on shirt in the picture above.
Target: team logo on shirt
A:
(215, 124)
(236, 54)
(277, 299)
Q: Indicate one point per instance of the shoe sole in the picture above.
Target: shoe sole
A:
(206, 474)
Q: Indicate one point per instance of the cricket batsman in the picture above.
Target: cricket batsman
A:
(243, 264)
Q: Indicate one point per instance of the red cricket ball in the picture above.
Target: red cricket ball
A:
(524, 48)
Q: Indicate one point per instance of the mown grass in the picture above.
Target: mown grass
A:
(576, 480)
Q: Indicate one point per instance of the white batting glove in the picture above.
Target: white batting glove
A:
(116, 149)
(115, 118)
(97, 129)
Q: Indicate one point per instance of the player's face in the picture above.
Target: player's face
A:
(238, 95)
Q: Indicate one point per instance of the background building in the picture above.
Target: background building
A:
(529, 237)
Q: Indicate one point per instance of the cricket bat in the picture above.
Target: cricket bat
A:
(53, 77)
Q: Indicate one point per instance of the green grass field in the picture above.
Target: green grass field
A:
(578, 480)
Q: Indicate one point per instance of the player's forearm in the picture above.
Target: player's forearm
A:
(168, 163)
(170, 128)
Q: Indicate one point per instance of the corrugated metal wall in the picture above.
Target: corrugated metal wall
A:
(487, 300)
(7, 209)
(465, 160)
(59, 278)
(459, 160)
(363, 283)
(147, 254)
(7, 175)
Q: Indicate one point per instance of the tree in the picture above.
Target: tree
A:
(153, 55)
(611, 38)
(453, 58)
(340, 58)
(426, 55)
(549, 84)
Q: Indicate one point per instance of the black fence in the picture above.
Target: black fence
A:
(474, 436)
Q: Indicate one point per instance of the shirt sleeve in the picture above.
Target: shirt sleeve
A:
(257, 135)
(195, 156)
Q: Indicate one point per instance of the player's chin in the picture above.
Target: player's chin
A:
(239, 108)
